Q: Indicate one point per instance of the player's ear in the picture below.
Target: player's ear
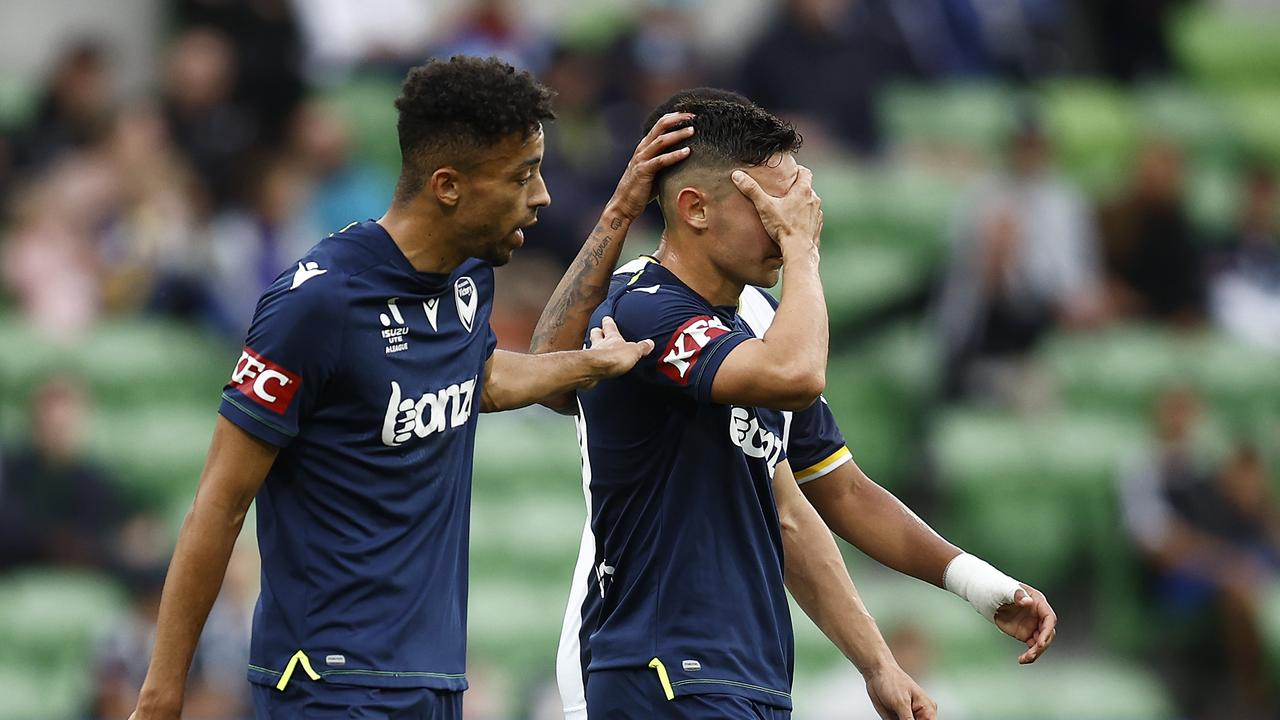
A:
(444, 185)
(691, 206)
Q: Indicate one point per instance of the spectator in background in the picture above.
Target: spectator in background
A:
(1132, 37)
(1245, 286)
(267, 42)
(149, 246)
(74, 111)
(48, 260)
(253, 241)
(822, 64)
(1154, 267)
(583, 158)
(217, 690)
(1209, 541)
(57, 506)
(493, 27)
(211, 129)
(342, 188)
(1023, 260)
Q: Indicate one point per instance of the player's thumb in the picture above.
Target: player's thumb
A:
(748, 186)
(645, 347)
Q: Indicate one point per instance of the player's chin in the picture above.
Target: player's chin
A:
(768, 275)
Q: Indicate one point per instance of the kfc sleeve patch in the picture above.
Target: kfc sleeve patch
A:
(682, 353)
(264, 382)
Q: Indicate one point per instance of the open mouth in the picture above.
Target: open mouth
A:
(519, 233)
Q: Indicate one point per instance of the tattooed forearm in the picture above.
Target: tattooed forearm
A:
(564, 321)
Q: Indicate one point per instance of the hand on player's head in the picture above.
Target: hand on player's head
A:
(795, 217)
(652, 155)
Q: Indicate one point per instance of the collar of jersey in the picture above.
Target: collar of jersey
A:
(666, 276)
(387, 249)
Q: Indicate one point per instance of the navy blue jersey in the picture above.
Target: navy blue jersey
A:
(812, 441)
(367, 375)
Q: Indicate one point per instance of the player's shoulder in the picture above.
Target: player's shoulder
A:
(650, 305)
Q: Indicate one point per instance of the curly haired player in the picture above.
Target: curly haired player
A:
(350, 419)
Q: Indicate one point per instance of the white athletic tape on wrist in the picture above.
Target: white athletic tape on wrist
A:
(975, 580)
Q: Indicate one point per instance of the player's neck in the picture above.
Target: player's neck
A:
(421, 240)
(700, 274)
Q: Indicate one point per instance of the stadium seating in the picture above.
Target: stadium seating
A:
(49, 620)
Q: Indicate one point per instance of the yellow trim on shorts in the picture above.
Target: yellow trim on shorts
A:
(656, 664)
(298, 657)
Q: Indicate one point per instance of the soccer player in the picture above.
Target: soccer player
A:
(613, 594)
(350, 418)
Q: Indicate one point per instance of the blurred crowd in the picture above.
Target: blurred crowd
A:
(184, 202)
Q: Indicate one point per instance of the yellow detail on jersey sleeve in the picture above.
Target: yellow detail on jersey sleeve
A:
(298, 657)
(831, 461)
(656, 664)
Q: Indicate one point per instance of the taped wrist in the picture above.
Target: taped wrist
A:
(975, 580)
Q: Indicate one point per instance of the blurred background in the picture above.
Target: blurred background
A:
(1052, 255)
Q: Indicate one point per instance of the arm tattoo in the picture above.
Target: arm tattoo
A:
(577, 294)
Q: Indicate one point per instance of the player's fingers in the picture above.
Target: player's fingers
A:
(653, 165)
(664, 141)
(804, 179)
(646, 347)
(596, 336)
(749, 187)
(609, 327)
(665, 123)
(925, 709)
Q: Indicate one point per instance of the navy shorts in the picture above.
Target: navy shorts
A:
(320, 700)
(638, 695)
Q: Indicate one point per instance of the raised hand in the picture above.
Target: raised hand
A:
(795, 219)
(1029, 619)
(614, 353)
(635, 189)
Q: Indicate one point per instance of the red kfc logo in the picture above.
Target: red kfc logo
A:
(264, 382)
(686, 345)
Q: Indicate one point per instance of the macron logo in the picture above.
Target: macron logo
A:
(305, 273)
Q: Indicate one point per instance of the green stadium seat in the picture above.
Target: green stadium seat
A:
(155, 451)
(1255, 112)
(1029, 494)
(49, 617)
(1062, 688)
(368, 104)
(42, 693)
(1122, 370)
(124, 362)
(975, 116)
(1220, 48)
(861, 278)
(1095, 130)
(904, 207)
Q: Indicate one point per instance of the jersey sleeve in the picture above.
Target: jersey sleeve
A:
(815, 444)
(290, 352)
(690, 341)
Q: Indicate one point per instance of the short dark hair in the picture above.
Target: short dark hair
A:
(449, 108)
(729, 131)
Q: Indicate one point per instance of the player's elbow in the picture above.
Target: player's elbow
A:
(564, 403)
(800, 387)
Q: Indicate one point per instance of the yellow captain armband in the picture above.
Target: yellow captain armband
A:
(656, 664)
(298, 657)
